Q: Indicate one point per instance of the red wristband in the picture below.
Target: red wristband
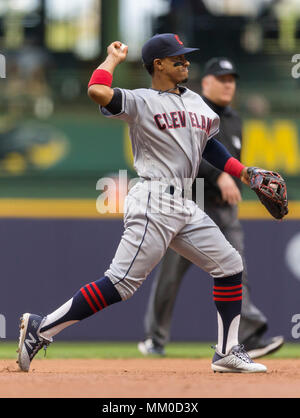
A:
(234, 167)
(100, 76)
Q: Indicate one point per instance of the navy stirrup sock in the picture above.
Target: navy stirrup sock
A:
(98, 295)
(90, 299)
(227, 295)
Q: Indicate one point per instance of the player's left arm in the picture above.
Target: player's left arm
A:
(269, 186)
(218, 155)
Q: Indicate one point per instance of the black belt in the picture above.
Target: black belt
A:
(171, 189)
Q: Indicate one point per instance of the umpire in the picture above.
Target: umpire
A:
(222, 193)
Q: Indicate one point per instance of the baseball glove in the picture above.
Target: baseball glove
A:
(270, 189)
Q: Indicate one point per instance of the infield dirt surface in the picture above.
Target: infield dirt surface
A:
(151, 378)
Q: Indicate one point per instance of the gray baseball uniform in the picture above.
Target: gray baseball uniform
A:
(168, 133)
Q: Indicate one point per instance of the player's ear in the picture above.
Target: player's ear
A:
(158, 64)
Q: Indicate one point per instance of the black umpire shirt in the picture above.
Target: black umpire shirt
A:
(230, 135)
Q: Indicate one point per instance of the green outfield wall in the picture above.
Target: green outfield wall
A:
(64, 157)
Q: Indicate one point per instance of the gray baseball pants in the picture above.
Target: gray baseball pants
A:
(170, 273)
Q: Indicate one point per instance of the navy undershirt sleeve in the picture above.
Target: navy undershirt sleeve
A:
(115, 105)
(216, 154)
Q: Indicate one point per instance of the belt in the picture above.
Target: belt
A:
(169, 189)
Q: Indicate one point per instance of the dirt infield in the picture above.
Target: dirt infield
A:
(134, 378)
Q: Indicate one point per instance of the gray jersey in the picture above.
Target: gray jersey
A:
(168, 132)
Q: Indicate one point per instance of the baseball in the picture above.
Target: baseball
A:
(122, 47)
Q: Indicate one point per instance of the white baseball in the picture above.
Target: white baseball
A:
(122, 47)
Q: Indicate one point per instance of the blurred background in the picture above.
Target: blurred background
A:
(54, 146)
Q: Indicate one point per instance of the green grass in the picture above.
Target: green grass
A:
(129, 350)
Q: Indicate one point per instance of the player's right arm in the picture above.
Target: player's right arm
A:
(102, 94)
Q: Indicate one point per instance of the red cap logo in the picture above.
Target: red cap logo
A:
(178, 40)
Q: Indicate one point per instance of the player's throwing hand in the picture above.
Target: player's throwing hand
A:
(118, 51)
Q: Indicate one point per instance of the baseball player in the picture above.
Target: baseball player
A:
(171, 127)
(222, 194)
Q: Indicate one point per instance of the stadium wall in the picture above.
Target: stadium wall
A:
(45, 261)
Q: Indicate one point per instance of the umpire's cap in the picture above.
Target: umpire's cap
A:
(220, 66)
(163, 45)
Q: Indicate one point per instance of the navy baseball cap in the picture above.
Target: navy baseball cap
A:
(162, 46)
(220, 66)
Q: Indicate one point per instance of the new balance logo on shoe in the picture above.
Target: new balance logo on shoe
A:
(30, 341)
(35, 324)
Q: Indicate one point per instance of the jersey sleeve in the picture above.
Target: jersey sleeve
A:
(126, 107)
(214, 127)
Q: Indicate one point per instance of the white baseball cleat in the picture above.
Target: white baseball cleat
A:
(30, 342)
(236, 361)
